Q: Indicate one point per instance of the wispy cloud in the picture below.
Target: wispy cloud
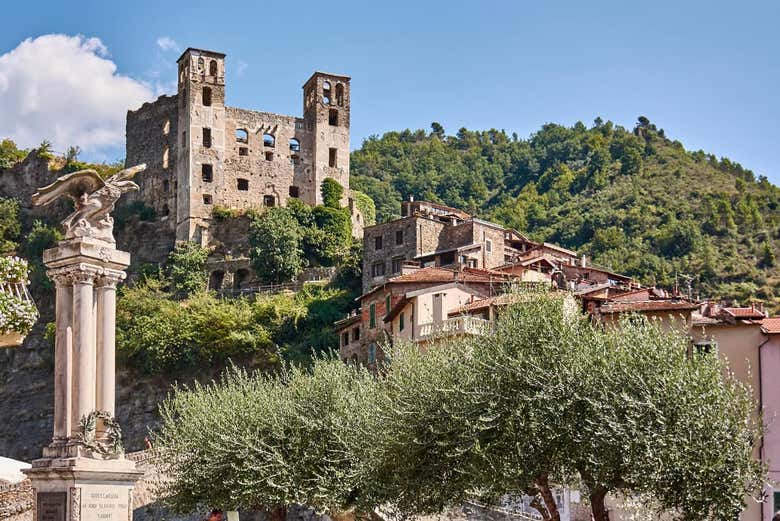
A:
(241, 67)
(166, 43)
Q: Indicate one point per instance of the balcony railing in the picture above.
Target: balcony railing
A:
(463, 325)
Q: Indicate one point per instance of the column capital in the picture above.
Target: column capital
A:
(110, 278)
(74, 274)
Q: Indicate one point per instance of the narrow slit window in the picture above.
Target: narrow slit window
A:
(206, 137)
(332, 157)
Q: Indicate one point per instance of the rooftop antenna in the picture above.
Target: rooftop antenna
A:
(688, 282)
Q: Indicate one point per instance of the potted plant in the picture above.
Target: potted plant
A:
(17, 310)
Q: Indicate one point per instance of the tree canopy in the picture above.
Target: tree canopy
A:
(549, 399)
(568, 185)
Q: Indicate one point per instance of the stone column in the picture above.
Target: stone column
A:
(84, 348)
(106, 339)
(63, 358)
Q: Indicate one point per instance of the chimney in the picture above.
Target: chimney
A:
(411, 198)
(409, 266)
(584, 261)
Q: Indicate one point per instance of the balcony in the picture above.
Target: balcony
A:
(462, 325)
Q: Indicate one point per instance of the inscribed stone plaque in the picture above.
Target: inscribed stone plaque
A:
(51, 506)
(104, 503)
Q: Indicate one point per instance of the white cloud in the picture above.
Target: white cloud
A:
(166, 43)
(65, 89)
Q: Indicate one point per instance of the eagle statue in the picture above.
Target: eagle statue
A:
(93, 198)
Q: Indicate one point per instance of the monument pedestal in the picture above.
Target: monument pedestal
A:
(83, 476)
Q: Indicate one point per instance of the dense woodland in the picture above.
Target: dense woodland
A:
(632, 199)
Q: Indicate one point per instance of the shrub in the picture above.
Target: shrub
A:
(331, 192)
(187, 268)
(366, 206)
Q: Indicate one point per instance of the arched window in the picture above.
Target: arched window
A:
(242, 136)
(339, 94)
(326, 85)
(166, 127)
(269, 140)
(165, 157)
(201, 65)
(326, 98)
(215, 279)
(295, 145)
(213, 68)
(240, 278)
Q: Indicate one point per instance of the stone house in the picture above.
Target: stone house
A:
(201, 153)
(436, 235)
(413, 305)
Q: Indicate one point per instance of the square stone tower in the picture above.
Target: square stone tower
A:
(326, 101)
(201, 124)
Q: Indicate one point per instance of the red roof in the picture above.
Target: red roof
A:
(439, 275)
(745, 312)
(647, 305)
(771, 326)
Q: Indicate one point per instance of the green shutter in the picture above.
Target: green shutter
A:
(372, 316)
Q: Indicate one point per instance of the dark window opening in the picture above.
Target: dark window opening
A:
(344, 338)
(215, 279)
(372, 316)
(269, 140)
(207, 199)
(269, 200)
(378, 269)
(242, 184)
(401, 322)
(206, 137)
(213, 68)
(269, 156)
(207, 173)
(332, 157)
(378, 242)
(356, 334)
(294, 191)
(333, 117)
(243, 151)
(399, 237)
(339, 94)
(242, 136)
(166, 185)
(447, 258)
(240, 278)
(397, 262)
(206, 96)
(166, 211)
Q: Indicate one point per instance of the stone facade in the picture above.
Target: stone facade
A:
(435, 235)
(201, 153)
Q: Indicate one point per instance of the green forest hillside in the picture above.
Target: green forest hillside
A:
(633, 200)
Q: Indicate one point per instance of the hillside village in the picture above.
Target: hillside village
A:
(434, 273)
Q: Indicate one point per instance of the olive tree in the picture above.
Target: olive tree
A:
(265, 441)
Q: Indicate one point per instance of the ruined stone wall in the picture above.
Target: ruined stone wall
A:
(151, 133)
(275, 168)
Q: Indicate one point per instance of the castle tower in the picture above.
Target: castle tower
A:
(326, 102)
(201, 125)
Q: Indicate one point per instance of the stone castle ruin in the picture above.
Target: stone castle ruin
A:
(201, 153)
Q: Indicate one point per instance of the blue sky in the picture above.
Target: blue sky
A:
(706, 72)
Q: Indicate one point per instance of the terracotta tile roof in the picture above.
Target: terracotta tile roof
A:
(745, 313)
(771, 326)
(439, 275)
(648, 305)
